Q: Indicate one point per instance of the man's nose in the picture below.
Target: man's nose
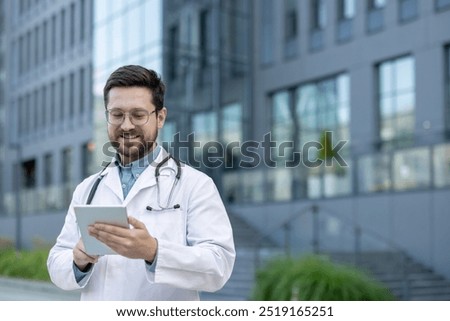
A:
(127, 124)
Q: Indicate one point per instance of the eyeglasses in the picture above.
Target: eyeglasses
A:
(138, 117)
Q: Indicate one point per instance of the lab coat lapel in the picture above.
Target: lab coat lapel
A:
(112, 180)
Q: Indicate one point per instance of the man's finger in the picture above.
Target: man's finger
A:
(136, 223)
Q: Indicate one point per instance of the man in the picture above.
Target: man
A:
(180, 239)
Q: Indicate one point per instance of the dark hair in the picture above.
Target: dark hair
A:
(137, 76)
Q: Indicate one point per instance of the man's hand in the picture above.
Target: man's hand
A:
(81, 258)
(134, 243)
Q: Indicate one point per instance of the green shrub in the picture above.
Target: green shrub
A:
(24, 264)
(315, 278)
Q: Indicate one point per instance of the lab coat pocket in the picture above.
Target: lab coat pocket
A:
(169, 225)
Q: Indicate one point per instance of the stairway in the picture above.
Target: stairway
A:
(415, 283)
(387, 267)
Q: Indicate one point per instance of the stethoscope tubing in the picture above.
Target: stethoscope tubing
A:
(158, 171)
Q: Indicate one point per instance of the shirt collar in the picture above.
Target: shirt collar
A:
(139, 165)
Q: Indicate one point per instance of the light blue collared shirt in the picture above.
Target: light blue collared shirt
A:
(129, 173)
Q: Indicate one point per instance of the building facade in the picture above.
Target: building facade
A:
(48, 109)
(55, 57)
(339, 113)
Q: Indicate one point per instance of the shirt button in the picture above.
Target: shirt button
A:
(124, 186)
(137, 175)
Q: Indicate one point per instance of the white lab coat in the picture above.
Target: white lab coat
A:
(195, 242)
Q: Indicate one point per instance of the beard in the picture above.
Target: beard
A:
(132, 145)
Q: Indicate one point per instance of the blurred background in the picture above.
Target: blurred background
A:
(375, 73)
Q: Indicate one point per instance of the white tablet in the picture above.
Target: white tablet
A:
(89, 214)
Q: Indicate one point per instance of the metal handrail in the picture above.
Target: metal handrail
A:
(285, 225)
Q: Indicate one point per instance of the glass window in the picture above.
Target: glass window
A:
(117, 37)
(101, 45)
(34, 105)
(442, 4)
(62, 31)
(53, 94)
(87, 157)
(83, 13)
(267, 32)
(290, 28)
(396, 100)
(48, 169)
(375, 16)
(37, 106)
(441, 159)
(447, 87)
(71, 94)
(321, 107)
(29, 173)
(62, 98)
(324, 105)
(232, 135)
(319, 14)
(408, 10)
(72, 25)
(166, 135)
(374, 173)
(411, 168)
(45, 41)
(173, 52)
(44, 107)
(244, 186)
(81, 86)
(205, 34)
(232, 123)
(376, 4)
(67, 165)
(102, 10)
(346, 9)
(280, 184)
(234, 32)
(204, 126)
(283, 127)
(53, 36)
(134, 25)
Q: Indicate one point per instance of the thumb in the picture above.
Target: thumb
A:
(136, 223)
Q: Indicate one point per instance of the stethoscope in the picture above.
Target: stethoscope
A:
(158, 171)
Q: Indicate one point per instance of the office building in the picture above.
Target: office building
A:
(369, 79)
(48, 113)
(55, 58)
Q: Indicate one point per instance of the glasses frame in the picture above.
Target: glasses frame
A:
(128, 114)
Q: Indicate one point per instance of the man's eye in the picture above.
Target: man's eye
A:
(116, 114)
(139, 114)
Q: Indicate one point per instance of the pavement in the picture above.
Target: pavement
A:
(12, 289)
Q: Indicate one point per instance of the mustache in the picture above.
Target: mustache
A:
(131, 132)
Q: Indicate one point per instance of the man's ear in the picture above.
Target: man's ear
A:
(162, 114)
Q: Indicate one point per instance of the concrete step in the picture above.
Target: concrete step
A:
(391, 269)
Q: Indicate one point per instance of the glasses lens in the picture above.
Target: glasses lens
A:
(115, 117)
(139, 117)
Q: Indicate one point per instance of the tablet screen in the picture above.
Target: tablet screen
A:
(89, 214)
